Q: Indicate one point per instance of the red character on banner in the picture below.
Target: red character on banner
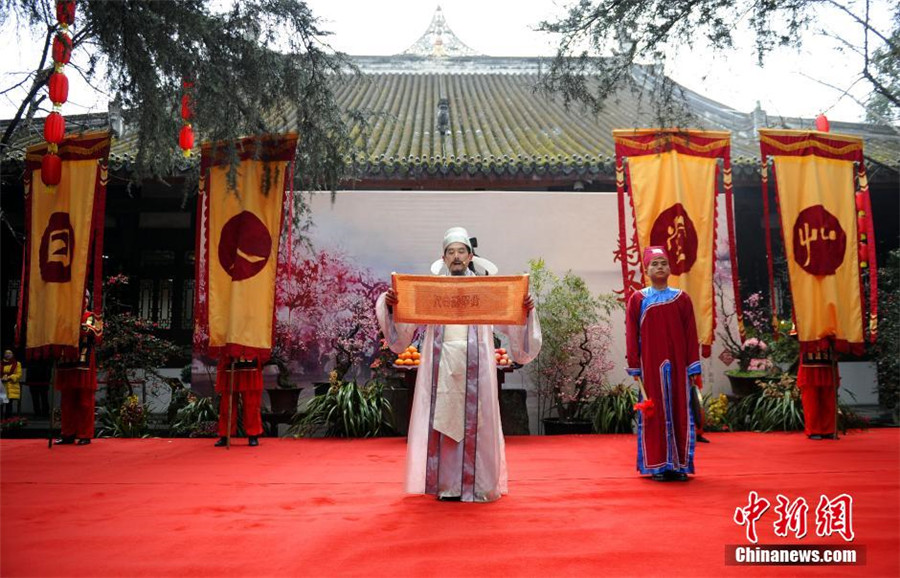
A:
(749, 515)
(791, 516)
(674, 230)
(57, 249)
(835, 516)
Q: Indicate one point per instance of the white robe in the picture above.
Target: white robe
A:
(490, 474)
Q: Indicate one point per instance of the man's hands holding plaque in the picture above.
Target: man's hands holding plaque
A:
(391, 299)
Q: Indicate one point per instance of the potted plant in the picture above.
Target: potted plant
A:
(752, 353)
(346, 410)
(198, 418)
(613, 410)
(284, 397)
(775, 406)
(574, 357)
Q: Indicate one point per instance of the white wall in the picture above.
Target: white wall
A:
(401, 231)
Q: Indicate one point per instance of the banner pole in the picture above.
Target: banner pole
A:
(52, 405)
(230, 404)
(836, 383)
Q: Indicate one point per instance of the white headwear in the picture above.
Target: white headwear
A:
(460, 235)
(457, 235)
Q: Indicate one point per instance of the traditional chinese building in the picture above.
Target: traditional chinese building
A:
(442, 117)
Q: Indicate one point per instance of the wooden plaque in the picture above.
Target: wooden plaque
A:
(451, 300)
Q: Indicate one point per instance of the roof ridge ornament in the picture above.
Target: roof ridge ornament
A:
(439, 41)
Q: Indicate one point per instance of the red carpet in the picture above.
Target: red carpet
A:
(576, 507)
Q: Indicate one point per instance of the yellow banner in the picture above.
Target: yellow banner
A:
(59, 243)
(818, 218)
(674, 207)
(244, 229)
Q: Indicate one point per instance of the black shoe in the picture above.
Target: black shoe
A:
(221, 443)
(815, 437)
(680, 477)
(64, 441)
(450, 498)
(659, 478)
(702, 439)
(253, 441)
(83, 442)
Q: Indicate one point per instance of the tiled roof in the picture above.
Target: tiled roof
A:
(499, 131)
(500, 127)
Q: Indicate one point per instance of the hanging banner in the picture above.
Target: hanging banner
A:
(816, 177)
(238, 231)
(63, 224)
(671, 177)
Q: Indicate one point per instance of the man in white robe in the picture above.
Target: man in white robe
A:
(455, 448)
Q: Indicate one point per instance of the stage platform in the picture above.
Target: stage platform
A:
(326, 507)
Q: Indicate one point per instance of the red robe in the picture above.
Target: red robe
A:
(663, 350)
(77, 383)
(248, 383)
(816, 380)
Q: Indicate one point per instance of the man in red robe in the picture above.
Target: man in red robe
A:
(816, 380)
(243, 378)
(77, 383)
(663, 352)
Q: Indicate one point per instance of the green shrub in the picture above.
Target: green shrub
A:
(345, 410)
(613, 410)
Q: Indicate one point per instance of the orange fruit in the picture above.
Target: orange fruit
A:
(415, 362)
(416, 355)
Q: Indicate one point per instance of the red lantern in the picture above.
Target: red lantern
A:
(51, 169)
(54, 128)
(186, 110)
(65, 12)
(186, 139)
(62, 48)
(59, 88)
(822, 123)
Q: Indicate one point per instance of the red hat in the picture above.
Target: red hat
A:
(652, 252)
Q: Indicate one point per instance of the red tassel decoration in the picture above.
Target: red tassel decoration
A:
(646, 407)
(822, 123)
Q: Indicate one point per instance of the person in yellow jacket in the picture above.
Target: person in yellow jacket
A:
(12, 374)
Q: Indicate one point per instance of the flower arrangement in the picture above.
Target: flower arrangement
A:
(127, 421)
(717, 413)
(753, 353)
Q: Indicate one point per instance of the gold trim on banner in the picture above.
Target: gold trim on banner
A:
(104, 174)
(726, 177)
(856, 145)
(659, 142)
(36, 152)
